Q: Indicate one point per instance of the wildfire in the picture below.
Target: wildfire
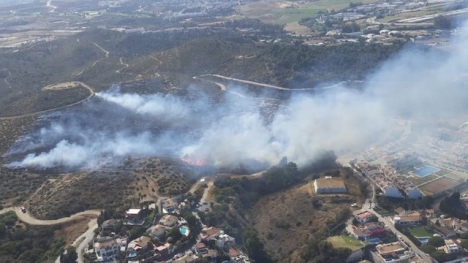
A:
(192, 161)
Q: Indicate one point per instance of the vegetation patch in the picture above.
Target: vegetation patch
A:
(345, 242)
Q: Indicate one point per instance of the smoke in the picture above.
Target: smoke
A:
(241, 127)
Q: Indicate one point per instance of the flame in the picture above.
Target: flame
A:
(192, 161)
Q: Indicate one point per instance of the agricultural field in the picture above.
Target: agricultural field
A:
(285, 12)
(438, 186)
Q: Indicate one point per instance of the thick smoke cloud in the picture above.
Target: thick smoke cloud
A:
(415, 85)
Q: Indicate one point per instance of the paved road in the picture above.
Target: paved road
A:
(91, 94)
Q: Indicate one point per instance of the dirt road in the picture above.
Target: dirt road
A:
(28, 219)
(91, 94)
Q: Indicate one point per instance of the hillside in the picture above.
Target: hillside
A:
(287, 220)
(117, 188)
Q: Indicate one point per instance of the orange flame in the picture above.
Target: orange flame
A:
(195, 162)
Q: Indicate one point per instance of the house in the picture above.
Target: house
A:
(369, 230)
(170, 206)
(140, 244)
(165, 250)
(452, 248)
(106, 248)
(168, 221)
(329, 185)
(408, 219)
(400, 211)
(224, 241)
(109, 224)
(157, 231)
(201, 248)
(210, 233)
(444, 232)
(365, 217)
(134, 217)
(237, 256)
(394, 252)
(134, 214)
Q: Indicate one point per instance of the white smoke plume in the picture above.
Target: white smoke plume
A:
(414, 84)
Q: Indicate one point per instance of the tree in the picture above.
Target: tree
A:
(436, 241)
(253, 246)
(69, 256)
(464, 243)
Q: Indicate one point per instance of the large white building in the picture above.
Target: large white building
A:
(329, 185)
(106, 248)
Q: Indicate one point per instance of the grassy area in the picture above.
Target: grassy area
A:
(382, 211)
(420, 180)
(420, 231)
(272, 12)
(345, 241)
(406, 15)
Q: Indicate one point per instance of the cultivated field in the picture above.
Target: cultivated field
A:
(438, 186)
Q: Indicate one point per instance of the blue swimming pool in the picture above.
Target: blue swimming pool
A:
(184, 230)
(132, 254)
(374, 241)
(423, 239)
(425, 171)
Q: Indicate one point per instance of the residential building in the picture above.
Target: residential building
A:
(165, 250)
(158, 231)
(224, 241)
(394, 252)
(452, 248)
(134, 217)
(170, 206)
(201, 248)
(365, 217)
(140, 244)
(210, 233)
(106, 248)
(444, 232)
(169, 221)
(369, 230)
(237, 256)
(329, 185)
(411, 218)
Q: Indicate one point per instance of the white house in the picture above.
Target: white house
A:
(329, 185)
(365, 217)
(409, 219)
(106, 248)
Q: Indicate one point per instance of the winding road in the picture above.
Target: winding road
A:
(80, 243)
(91, 94)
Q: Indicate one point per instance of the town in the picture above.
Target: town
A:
(170, 230)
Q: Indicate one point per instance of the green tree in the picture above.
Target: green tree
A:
(70, 256)
(436, 241)
(253, 246)
(464, 243)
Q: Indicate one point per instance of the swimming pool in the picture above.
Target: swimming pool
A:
(184, 230)
(374, 241)
(425, 171)
(132, 254)
(423, 239)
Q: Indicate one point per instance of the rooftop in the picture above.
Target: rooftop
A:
(168, 220)
(233, 253)
(133, 211)
(330, 183)
(211, 231)
(413, 216)
(365, 215)
(390, 247)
